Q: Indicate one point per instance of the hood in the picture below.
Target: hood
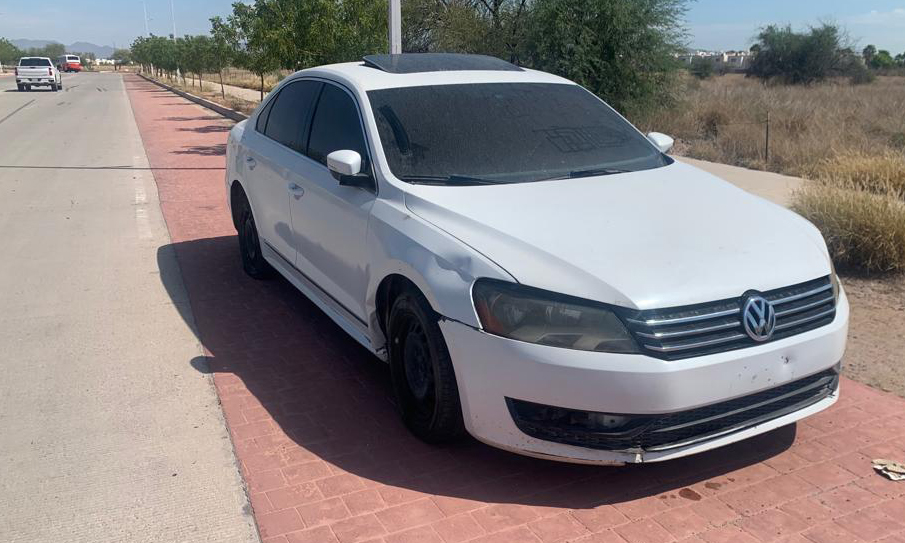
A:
(652, 239)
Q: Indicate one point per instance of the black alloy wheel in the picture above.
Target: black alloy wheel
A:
(424, 382)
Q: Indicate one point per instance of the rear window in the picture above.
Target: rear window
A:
(72, 58)
(34, 62)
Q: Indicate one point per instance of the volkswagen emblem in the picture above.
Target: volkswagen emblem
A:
(759, 318)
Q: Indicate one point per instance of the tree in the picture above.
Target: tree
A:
(121, 57)
(9, 53)
(258, 50)
(869, 53)
(622, 50)
(224, 42)
(882, 60)
(801, 57)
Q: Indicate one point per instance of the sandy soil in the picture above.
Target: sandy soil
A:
(876, 339)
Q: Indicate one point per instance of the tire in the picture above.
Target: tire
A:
(54, 87)
(21, 88)
(27, 88)
(250, 245)
(424, 382)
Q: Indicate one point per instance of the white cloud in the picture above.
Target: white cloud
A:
(892, 18)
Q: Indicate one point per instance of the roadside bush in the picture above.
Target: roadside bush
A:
(702, 68)
(804, 57)
(864, 231)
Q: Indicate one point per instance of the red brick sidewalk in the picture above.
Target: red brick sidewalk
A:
(326, 459)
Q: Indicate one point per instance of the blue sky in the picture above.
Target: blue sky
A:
(713, 24)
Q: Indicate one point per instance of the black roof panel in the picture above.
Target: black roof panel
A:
(410, 63)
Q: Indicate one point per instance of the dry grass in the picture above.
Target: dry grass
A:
(882, 173)
(864, 231)
(230, 101)
(238, 77)
(722, 120)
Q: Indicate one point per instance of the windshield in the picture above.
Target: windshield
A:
(34, 62)
(505, 133)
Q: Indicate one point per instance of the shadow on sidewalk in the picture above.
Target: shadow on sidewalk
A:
(332, 398)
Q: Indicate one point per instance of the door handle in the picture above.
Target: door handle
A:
(251, 162)
(296, 190)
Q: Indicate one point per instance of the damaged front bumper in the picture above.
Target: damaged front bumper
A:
(570, 405)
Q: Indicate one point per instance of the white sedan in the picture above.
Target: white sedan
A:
(535, 271)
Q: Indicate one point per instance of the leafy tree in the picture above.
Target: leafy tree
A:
(121, 57)
(883, 59)
(900, 59)
(9, 53)
(491, 27)
(802, 57)
(224, 42)
(258, 50)
(869, 53)
(622, 50)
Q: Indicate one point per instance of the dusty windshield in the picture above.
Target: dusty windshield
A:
(505, 133)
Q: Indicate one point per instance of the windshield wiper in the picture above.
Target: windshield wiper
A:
(595, 171)
(452, 180)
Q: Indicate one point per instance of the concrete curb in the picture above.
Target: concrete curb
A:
(225, 111)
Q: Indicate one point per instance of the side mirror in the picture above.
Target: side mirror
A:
(345, 166)
(344, 162)
(661, 141)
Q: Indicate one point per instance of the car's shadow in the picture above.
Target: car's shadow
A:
(332, 398)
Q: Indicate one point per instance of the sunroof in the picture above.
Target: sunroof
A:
(410, 63)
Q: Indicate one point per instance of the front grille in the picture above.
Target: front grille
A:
(696, 330)
(661, 432)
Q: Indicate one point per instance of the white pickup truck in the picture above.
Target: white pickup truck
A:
(36, 72)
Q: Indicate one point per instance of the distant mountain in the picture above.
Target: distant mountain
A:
(100, 51)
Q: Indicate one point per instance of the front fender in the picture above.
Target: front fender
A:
(441, 266)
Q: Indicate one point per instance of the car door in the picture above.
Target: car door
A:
(274, 145)
(330, 221)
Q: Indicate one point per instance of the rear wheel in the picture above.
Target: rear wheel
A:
(249, 244)
(21, 88)
(422, 373)
(27, 88)
(54, 87)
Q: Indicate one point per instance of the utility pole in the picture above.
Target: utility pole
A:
(173, 15)
(144, 4)
(395, 27)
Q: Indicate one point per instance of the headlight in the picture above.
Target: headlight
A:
(538, 316)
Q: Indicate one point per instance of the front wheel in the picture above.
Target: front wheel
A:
(424, 382)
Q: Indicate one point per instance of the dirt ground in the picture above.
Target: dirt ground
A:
(876, 339)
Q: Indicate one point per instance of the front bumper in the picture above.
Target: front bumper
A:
(490, 369)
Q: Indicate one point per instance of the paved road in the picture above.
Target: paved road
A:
(108, 432)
